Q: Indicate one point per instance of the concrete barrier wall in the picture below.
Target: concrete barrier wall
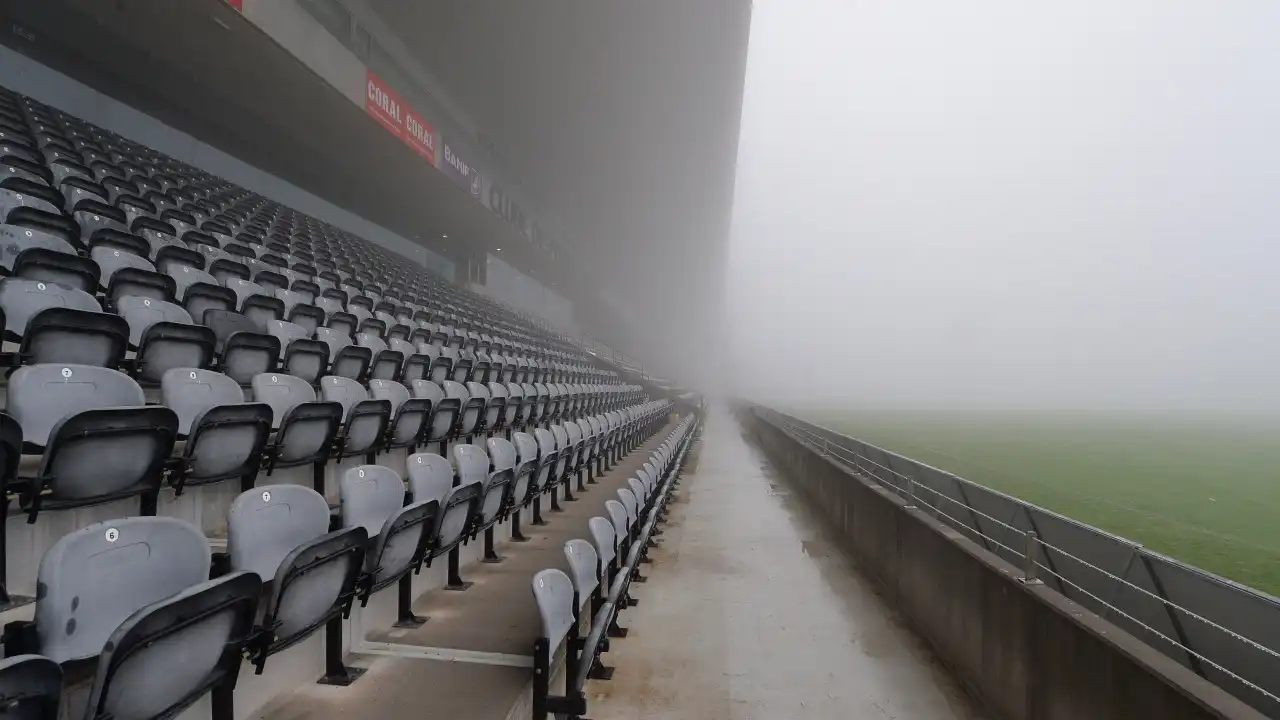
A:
(1023, 650)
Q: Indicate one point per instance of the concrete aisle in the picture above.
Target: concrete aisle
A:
(751, 613)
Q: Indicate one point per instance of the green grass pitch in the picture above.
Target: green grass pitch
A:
(1206, 492)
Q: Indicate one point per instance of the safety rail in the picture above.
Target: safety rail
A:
(1223, 631)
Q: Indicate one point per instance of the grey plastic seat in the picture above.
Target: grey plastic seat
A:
(304, 426)
(59, 324)
(225, 436)
(364, 421)
(99, 440)
(513, 414)
(112, 570)
(621, 524)
(14, 239)
(605, 539)
(526, 468)
(640, 491)
(574, 433)
(301, 355)
(372, 497)
(431, 478)
(471, 409)
(30, 688)
(165, 338)
(386, 363)
(417, 364)
(444, 410)
(199, 291)
(442, 365)
(281, 533)
(565, 451)
(584, 570)
(346, 360)
(553, 593)
(111, 260)
(408, 414)
(473, 467)
(548, 460)
(632, 506)
(505, 459)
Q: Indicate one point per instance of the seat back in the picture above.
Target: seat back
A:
(372, 496)
(605, 539)
(583, 569)
(618, 516)
(365, 421)
(632, 505)
(142, 312)
(553, 593)
(547, 458)
(40, 396)
(281, 532)
(408, 414)
(444, 410)
(95, 578)
(305, 426)
(639, 491)
(193, 639)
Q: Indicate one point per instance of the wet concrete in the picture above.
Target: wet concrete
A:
(752, 612)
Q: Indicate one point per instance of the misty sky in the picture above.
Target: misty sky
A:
(1010, 204)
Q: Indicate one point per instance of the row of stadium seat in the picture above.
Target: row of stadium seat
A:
(96, 219)
(595, 589)
(145, 597)
(98, 441)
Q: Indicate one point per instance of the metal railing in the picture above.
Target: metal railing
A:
(1223, 631)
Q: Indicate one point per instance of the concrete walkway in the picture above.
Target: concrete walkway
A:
(751, 613)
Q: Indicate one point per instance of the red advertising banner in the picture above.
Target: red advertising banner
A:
(383, 104)
(237, 4)
(419, 135)
(389, 109)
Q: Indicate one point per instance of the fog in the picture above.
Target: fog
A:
(1009, 204)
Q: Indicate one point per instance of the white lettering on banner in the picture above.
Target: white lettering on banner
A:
(383, 101)
(420, 132)
(456, 162)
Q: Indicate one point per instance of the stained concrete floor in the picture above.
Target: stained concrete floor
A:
(751, 612)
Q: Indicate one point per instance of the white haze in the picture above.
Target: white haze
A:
(1010, 204)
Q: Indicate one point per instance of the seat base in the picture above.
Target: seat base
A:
(343, 679)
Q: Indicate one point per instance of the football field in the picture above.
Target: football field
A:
(1205, 492)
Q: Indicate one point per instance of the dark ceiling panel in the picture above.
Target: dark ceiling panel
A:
(620, 115)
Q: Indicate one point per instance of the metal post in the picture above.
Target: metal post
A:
(911, 492)
(1030, 554)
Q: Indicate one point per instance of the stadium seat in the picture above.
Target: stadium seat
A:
(164, 337)
(225, 436)
(304, 427)
(409, 415)
(365, 421)
(98, 439)
(58, 324)
(431, 478)
(281, 533)
(245, 350)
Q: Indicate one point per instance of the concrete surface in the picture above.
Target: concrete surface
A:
(751, 612)
(1024, 650)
